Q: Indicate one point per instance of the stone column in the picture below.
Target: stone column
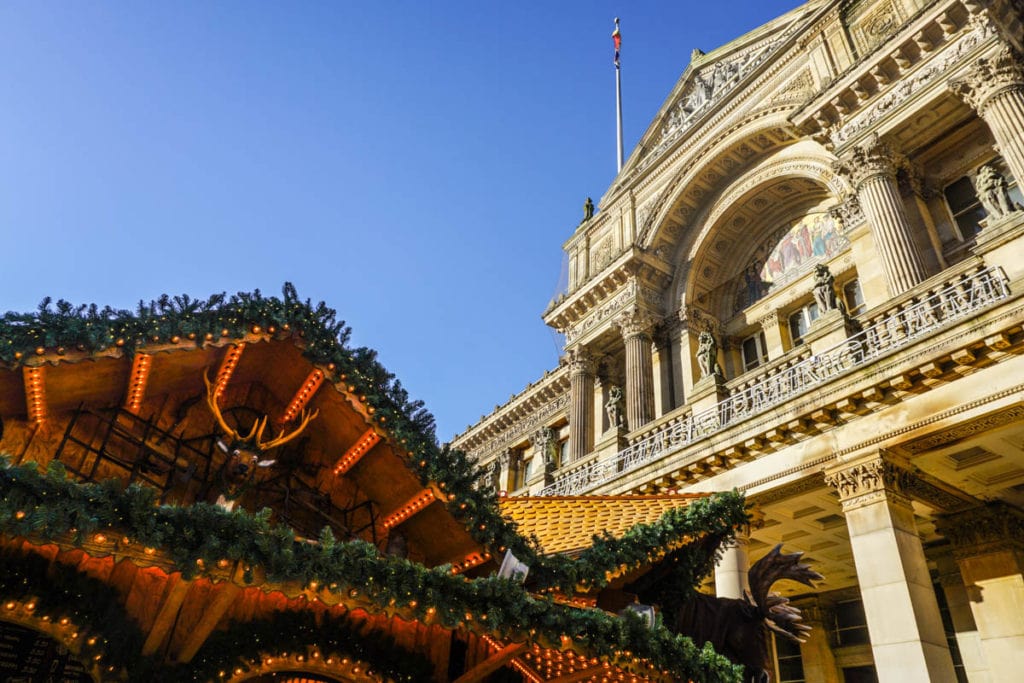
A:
(581, 403)
(731, 578)
(682, 365)
(994, 87)
(959, 605)
(664, 371)
(506, 461)
(818, 660)
(635, 328)
(907, 638)
(988, 544)
(772, 327)
(872, 168)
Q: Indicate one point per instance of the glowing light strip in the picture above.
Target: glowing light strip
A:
(35, 393)
(227, 368)
(137, 382)
(302, 396)
(368, 440)
(474, 559)
(410, 508)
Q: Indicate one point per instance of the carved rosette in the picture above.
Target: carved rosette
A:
(995, 527)
(870, 159)
(989, 77)
(869, 482)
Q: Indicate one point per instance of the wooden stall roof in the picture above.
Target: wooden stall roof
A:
(568, 524)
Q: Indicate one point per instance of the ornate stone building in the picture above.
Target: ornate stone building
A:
(806, 283)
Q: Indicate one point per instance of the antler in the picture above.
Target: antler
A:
(307, 417)
(211, 400)
(778, 614)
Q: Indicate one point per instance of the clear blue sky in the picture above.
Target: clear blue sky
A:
(417, 165)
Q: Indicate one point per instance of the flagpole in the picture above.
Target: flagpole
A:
(618, 94)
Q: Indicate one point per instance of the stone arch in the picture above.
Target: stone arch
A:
(705, 166)
(776, 188)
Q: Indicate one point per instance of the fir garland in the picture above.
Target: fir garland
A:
(288, 632)
(51, 506)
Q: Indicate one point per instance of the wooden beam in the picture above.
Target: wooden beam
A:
(227, 368)
(355, 452)
(410, 507)
(302, 396)
(166, 616)
(137, 381)
(216, 609)
(491, 664)
(35, 393)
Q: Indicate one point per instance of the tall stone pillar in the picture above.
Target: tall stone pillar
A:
(988, 544)
(958, 603)
(682, 365)
(872, 169)
(907, 638)
(635, 328)
(994, 87)
(818, 660)
(731, 578)
(581, 403)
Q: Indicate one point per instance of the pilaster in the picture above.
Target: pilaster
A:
(772, 327)
(816, 654)
(907, 638)
(988, 544)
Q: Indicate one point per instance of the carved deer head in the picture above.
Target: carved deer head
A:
(245, 452)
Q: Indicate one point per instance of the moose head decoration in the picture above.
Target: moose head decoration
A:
(245, 452)
(736, 628)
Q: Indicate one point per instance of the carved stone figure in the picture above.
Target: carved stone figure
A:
(993, 193)
(546, 444)
(824, 289)
(707, 356)
(588, 209)
(613, 406)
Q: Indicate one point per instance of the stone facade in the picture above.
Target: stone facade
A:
(877, 436)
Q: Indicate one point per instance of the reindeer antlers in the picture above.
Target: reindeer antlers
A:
(778, 614)
(256, 433)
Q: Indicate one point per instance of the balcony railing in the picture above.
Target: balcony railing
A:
(882, 334)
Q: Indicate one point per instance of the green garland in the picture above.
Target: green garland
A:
(58, 327)
(51, 506)
(243, 645)
(93, 607)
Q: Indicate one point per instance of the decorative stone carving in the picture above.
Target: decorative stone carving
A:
(634, 323)
(707, 356)
(868, 482)
(580, 362)
(614, 408)
(545, 442)
(992, 528)
(994, 193)
(990, 76)
(873, 157)
(824, 289)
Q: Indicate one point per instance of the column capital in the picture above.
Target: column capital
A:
(507, 458)
(990, 76)
(634, 323)
(580, 361)
(848, 213)
(991, 528)
(770, 321)
(872, 158)
(869, 481)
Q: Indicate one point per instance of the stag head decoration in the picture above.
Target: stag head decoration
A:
(246, 452)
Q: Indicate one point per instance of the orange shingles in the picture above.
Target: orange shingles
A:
(566, 524)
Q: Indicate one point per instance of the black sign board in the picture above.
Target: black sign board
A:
(28, 656)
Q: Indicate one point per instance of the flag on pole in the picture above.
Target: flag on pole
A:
(617, 39)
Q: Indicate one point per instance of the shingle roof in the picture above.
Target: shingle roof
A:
(567, 524)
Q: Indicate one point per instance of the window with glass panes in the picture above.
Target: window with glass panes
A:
(755, 351)
(962, 199)
(853, 298)
(787, 656)
(800, 322)
(851, 626)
